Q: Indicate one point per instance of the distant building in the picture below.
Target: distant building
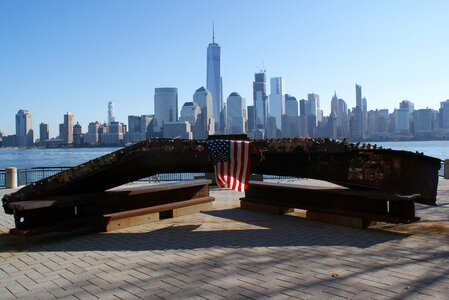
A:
(378, 124)
(250, 123)
(91, 137)
(190, 111)
(236, 114)
(66, 129)
(355, 125)
(290, 122)
(165, 106)
(358, 96)
(260, 100)
(134, 124)
(272, 130)
(24, 131)
(302, 119)
(444, 114)
(361, 103)
(206, 125)
(410, 106)
(401, 118)
(139, 128)
(114, 135)
(342, 119)
(312, 108)
(178, 130)
(424, 120)
(77, 134)
(214, 81)
(147, 124)
(9, 141)
(44, 132)
(111, 112)
(276, 100)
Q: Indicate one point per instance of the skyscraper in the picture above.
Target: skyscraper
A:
(444, 114)
(290, 121)
(190, 112)
(66, 129)
(260, 100)
(277, 101)
(165, 106)
(24, 131)
(111, 113)
(360, 103)
(91, 137)
(203, 98)
(334, 104)
(77, 134)
(214, 82)
(303, 116)
(236, 114)
(313, 106)
(358, 96)
(134, 124)
(250, 120)
(44, 133)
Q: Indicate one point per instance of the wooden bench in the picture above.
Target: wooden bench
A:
(355, 208)
(120, 207)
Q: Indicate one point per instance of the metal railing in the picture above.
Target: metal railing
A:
(27, 176)
(2, 178)
(171, 177)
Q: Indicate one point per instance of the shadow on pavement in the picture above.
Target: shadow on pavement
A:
(230, 228)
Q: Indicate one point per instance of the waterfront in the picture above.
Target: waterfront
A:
(58, 157)
(66, 157)
(438, 149)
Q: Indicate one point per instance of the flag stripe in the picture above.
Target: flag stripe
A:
(237, 148)
(247, 169)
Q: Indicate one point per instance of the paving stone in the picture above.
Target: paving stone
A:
(233, 254)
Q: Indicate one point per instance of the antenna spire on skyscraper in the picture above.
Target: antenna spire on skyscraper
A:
(213, 32)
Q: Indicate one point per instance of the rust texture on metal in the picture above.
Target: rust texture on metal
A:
(352, 165)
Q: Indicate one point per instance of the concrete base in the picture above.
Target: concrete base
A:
(353, 222)
(266, 208)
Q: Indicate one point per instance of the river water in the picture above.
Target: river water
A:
(67, 157)
(58, 157)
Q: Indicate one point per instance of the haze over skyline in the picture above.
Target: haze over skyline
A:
(60, 56)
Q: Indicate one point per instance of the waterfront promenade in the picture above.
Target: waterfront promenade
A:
(234, 254)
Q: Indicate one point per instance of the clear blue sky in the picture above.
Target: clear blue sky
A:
(59, 56)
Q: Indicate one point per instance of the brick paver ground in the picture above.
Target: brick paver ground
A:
(236, 254)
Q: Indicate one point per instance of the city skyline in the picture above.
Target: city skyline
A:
(52, 62)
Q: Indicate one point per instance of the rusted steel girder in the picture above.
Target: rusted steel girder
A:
(350, 165)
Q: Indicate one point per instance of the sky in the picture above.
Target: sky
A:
(76, 56)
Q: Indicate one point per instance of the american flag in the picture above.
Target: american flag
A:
(232, 162)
